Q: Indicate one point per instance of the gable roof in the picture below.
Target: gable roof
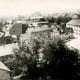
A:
(74, 22)
(4, 67)
(8, 49)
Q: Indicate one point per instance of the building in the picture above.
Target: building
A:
(4, 72)
(43, 31)
(15, 29)
(75, 25)
(7, 49)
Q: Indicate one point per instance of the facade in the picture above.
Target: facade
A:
(4, 72)
(43, 31)
(75, 25)
(54, 33)
(18, 29)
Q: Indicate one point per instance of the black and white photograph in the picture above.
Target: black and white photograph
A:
(39, 39)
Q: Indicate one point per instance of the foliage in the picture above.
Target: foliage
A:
(59, 19)
(42, 19)
(6, 40)
(45, 60)
(51, 20)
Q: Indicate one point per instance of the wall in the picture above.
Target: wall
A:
(4, 75)
(24, 27)
(42, 34)
(16, 29)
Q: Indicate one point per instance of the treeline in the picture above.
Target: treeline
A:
(58, 20)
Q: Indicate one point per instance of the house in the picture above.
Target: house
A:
(4, 72)
(18, 29)
(43, 31)
(75, 25)
(15, 29)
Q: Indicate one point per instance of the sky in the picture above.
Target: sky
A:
(24, 7)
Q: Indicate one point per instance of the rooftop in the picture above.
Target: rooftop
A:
(7, 49)
(75, 44)
(4, 67)
(74, 22)
(8, 27)
(36, 17)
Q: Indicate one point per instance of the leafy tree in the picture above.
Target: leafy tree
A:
(51, 20)
(59, 20)
(42, 19)
(62, 19)
(63, 63)
(46, 60)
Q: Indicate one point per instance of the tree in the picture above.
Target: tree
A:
(58, 20)
(62, 19)
(42, 19)
(63, 63)
(51, 20)
(47, 60)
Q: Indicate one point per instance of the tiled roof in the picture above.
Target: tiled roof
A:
(4, 67)
(74, 22)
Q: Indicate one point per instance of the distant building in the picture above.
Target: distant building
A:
(9, 22)
(44, 31)
(36, 18)
(75, 25)
(4, 72)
